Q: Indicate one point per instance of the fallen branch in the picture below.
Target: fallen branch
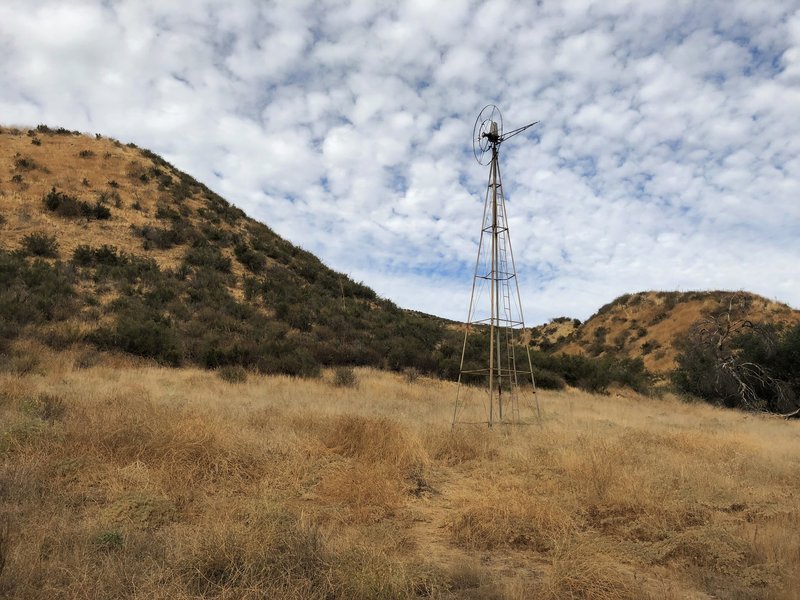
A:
(792, 415)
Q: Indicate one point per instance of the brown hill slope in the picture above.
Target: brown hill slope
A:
(648, 324)
(140, 189)
(108, 243)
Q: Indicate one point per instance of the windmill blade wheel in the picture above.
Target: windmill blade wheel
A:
(483, 125)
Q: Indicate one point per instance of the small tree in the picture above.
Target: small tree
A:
(730, 359)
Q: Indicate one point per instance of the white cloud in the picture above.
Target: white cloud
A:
(667, 155)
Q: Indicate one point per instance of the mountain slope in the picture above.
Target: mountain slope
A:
(110, 244)
(650, 324)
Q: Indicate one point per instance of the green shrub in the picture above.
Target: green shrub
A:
(162, 238)
(83, 256)
(755, 370)
(290, 359)
(547, 380)
(99, 211)
(33, 292)
(345, 377)
(65, 205)
(593, 374)
(232, 374)
(110, 197)
(253, 260)
(649, 346)
(108, 541)
(50, 407)
(209, 257)
(411, 374)
(144, 334)
(24, 163)
(62, 204)
(40, 244)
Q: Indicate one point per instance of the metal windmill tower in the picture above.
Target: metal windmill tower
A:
(496, 362)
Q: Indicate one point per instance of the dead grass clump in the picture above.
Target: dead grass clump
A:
(385, 463)
(775, 539)
(21, 433)
(594, 465)
(462, 444)
(364, 573)
(645, 520)
(708, 547)
(510, 519)
(188, 449)
(46, 406)
(123, 428)
(374, 439)
(13, 390)
(588, 570)
(140, 510)
(21, 363)
(289, 557)
(368, 492)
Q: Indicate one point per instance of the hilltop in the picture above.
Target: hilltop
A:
(651, 325)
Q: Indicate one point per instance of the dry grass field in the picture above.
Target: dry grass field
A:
(121, 480)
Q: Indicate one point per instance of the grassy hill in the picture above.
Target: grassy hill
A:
(109, 247)
(108, 244)
(651, 325)
(125, 481)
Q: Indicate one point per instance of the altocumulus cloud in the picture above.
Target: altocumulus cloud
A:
(667, 156)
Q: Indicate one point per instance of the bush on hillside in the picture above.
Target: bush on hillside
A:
(40, 244)
(253, 260)
(595, 374)
(547, 380)
(65, 205)
(165, 238)
(290, 359)
(208, 257)
(233, 374)
(345, 377)
(24, 163)
(143, 333)
(758, 369)
(32, 292)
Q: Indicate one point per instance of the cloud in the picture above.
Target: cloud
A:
(666, 157)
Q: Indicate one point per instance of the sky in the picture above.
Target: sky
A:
(667, 154)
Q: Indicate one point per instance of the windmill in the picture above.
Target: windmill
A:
(493, 362)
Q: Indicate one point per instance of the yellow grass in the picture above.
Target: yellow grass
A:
(126, 481)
